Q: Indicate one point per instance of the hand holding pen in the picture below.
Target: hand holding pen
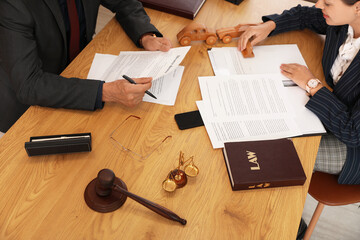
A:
(133, 82)
(125, 93)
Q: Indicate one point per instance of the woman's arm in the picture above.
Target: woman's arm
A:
(294, 19)
(341, 120)
(297, 18)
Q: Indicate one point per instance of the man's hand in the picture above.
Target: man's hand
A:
(121, 91)
(153, 43)
(256, 33)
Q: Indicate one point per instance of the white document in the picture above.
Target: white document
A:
(99, 65)
(306, 120)
(166, 88)
(162, 66)
(245, 108)
(244, 95)
(229, 60)
(136, 64)
(238, 130)
(267, 60)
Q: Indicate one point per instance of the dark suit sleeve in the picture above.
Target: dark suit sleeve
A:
(297, 18)
(339, 119)
(24, 68)
(344, 123)
(132, 17)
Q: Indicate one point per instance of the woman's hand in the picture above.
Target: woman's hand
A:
(300, 74)
(256, 33)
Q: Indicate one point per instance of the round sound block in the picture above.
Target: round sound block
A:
(104, 204)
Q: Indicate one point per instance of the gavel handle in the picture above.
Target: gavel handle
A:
(152, 206)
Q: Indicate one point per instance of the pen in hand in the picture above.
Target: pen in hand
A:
(130, 80)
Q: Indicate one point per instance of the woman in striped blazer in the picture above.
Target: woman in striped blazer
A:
(339, 111)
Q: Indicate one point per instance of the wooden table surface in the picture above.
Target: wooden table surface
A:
(42, 197)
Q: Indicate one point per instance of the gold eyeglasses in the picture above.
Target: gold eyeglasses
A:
(132, 143)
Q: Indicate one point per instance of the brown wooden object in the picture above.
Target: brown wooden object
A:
(326, 190)
(179, 177)
(196, 32)
(248, 51)
(99, 195)
(106, 193)
(228, 33)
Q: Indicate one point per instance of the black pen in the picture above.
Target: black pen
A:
(130, 80)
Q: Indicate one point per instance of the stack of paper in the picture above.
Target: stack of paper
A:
(249, 99)
(163, 67)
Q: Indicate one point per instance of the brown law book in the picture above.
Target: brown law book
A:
(183, 8)
(263, 164)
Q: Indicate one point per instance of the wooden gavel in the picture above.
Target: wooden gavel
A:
(106, 193)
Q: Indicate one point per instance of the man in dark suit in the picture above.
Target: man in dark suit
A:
(39, 38)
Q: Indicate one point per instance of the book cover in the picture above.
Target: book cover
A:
(183, 8)
(263, 164)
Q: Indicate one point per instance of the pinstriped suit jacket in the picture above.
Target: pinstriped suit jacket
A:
(339, 110)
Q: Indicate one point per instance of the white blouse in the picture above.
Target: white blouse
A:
(347, 53)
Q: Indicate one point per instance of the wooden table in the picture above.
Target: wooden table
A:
(42, 197)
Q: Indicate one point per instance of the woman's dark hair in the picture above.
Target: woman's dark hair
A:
(350, 2)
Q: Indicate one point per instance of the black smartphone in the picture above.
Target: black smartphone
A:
(188, 120)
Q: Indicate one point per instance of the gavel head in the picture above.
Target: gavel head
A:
(104, 182)
(99, 194)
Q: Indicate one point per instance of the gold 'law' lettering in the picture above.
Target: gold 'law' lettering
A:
(253, 159)
(261, 185)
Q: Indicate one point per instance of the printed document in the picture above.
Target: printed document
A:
(247, 108)
(163, 67)
(267, 60)
(165, 88)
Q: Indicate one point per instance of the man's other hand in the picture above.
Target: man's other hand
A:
(153, 43)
